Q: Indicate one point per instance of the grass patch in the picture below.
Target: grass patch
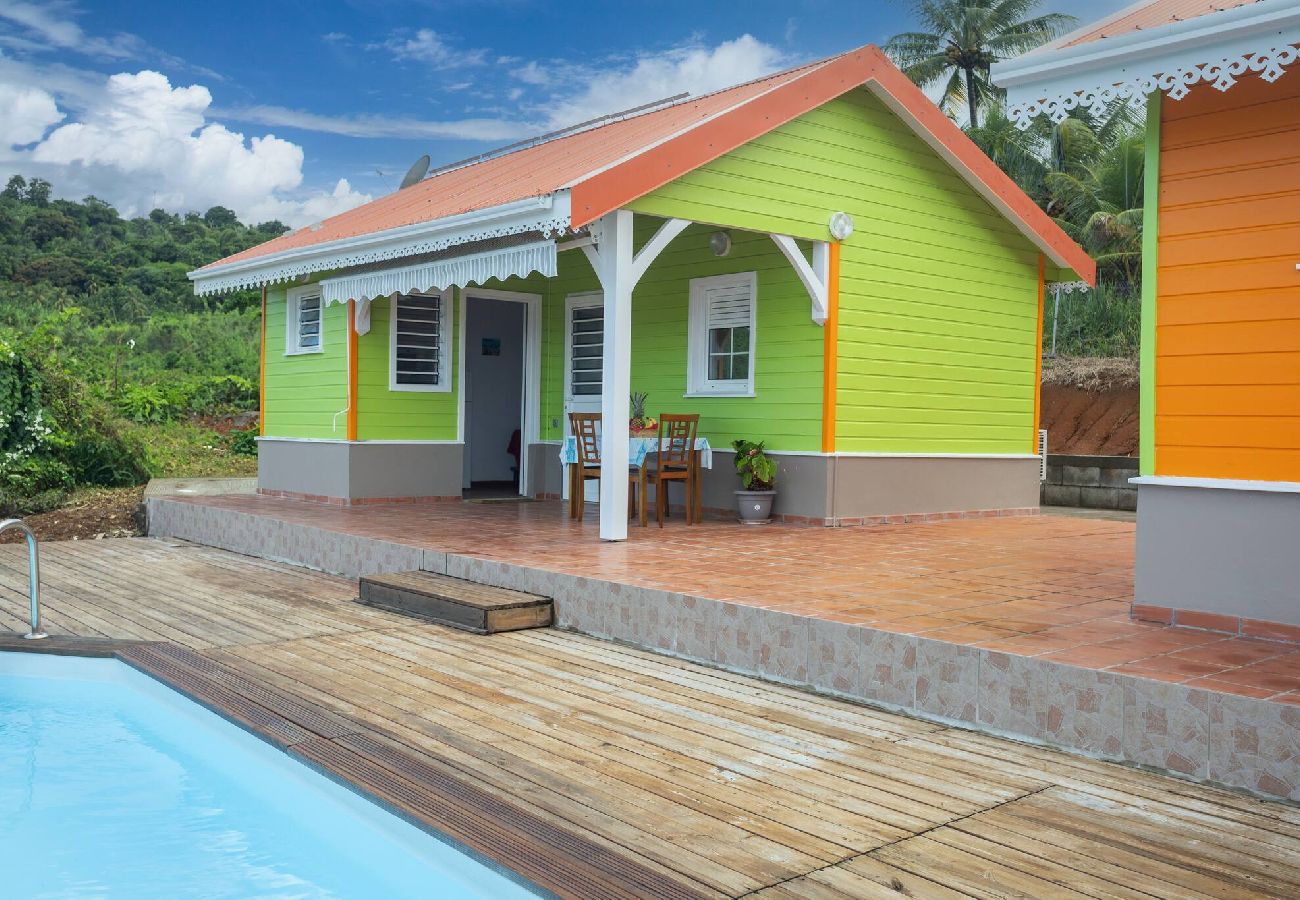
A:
(1091, 373)
(189, 450)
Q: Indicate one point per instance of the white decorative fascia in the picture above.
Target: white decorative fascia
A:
(1259, 40)
(548, 215)
(1068, 287)
(457, 271)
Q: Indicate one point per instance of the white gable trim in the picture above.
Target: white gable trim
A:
(1258, 39)
(548, 214)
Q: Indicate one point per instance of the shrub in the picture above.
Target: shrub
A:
(243, 442)
(756, 470)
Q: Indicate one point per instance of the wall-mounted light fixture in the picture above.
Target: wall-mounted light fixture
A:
(841, 225)
(720, 243)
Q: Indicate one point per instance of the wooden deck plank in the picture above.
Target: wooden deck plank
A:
(829, 784)
(708, 779)
(543, 759)
(504, 774)
(882, 770)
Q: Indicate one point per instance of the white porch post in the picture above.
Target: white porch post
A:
(616, 276)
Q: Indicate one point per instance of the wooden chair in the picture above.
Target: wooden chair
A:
(676, 462)
(586, 431)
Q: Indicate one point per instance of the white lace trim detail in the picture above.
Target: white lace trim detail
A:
(550, 223)
(1068, 287)
(1269, 63)
(455, 272)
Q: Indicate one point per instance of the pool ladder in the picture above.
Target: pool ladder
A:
(33, 575)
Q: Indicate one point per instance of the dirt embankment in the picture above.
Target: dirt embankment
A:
(1090, 406)
(90, 514)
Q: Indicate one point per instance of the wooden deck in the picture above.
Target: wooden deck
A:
(725, 785)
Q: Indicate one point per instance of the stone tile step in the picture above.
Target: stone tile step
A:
(455, 602)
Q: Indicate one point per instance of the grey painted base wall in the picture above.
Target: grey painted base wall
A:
(1235, 552)
(813, 487)
(1184, 731)
(358, 470)
(836, 488)
(1090, 482)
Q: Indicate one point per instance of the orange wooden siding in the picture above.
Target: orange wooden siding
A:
(1228, 305)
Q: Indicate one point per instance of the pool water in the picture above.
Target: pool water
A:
(112, 784)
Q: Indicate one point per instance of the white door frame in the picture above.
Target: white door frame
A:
(529, 428)
(591, 493)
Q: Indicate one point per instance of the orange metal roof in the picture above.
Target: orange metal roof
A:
(530, 172)
(1149, 15)
(611, 165)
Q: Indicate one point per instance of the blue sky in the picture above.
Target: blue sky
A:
(297, 110)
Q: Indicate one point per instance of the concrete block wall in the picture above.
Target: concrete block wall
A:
(1091, 482)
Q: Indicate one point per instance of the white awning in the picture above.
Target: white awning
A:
(458, 271)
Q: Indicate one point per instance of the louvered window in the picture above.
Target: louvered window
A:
(419, 331)
(721, 351)
(587, 354)
(304, 321)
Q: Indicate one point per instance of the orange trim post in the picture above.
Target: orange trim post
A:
(352, 370)
(261, 374)
(1038, 354)
(831, 349)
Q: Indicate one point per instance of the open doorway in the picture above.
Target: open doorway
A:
(495, 355)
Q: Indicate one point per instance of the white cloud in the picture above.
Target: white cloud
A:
(26, 113)
(428, 47)
(148, 144)
(380, 126)
(51, 24)
(692, 69)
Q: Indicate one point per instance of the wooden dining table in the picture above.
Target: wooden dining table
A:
(638, 449)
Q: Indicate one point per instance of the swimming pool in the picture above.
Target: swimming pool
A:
(112, 784)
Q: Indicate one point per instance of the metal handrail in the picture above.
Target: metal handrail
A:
(33, 575)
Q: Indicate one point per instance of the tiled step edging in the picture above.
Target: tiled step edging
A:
(1190, 732)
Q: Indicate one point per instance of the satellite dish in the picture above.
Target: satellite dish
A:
(416, 172)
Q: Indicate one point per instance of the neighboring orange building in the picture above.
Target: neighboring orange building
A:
(1219, 496)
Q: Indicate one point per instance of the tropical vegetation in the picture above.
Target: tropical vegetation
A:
(111, 370)
(958, 42)
(1086, 172)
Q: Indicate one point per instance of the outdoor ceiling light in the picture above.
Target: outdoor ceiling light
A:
(720, 243)
(841, 225)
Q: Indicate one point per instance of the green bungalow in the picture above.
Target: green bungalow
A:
(818, 259)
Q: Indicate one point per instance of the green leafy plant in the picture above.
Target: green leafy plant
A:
(242, 442)
(756, 470)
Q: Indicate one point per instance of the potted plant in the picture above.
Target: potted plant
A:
(641, 425)
(758, 476)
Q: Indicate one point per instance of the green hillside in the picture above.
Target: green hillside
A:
(111, 369)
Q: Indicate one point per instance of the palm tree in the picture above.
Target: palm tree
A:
(963, 39)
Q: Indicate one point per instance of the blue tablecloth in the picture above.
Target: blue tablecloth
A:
(637, 450)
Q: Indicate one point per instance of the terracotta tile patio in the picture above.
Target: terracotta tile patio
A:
(1052, 587)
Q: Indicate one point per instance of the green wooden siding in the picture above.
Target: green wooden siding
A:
(938, 292)
(303, 392)
(384, 415)
(938, 306)
(786, 407)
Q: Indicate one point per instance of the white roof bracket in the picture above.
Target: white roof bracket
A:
(815, 276)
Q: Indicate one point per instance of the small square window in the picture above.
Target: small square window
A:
(721, 336)
(304, 321)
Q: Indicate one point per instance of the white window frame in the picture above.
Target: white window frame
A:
(572, 302)
(444, 345)
(293, 304)
(697, 338)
